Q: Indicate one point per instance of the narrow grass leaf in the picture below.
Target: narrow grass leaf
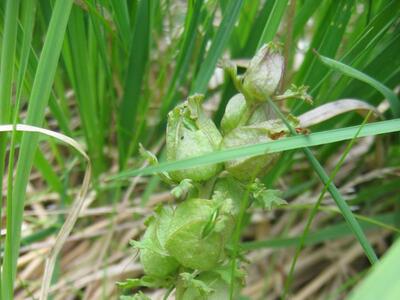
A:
(349, 71)
(328, 233)
(185, 53)
(289, 143)
(8, 47)
(317, 204)
(37, 103)
(326, 40)
(273, 21)
(304, 13)
(217, 47)
(362, 46)
(243, 31)
(81, 72)
(336, 195)
(383, 281)
(138, 59)
(121, 17)
(77, 206)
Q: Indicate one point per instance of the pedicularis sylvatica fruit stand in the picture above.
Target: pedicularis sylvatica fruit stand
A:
(189, 247)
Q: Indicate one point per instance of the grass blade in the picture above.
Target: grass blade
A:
(289, 143)
(121, 17)
(37, 103)
(6, 80)
(383, 282)
(217, 47)
(81, 71)
(363, 44)
(317, 204)
(337, 197)
(303, 15)
(185, 52)
(349, 71)
(273, 21)
(138, 59)
(325, 234)
(28, 17)
(7, 60)
(76, 208)
(326, 40)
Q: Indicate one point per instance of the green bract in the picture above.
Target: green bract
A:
(198, 233)
(264, 73)
(207, 286)
(229, 189)
(191, 133)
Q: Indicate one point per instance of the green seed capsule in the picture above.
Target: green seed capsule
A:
(249, 168)
(191, 133)
(235, 113)
(264, 73)
(155, 260)
(197, 234)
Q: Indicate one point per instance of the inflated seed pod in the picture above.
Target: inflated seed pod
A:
(155, 259)
(235, 114)
(248, 168)
(191, 133)
(264, 73)
(198, 233)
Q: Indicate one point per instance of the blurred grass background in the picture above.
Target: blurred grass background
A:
(107, 72)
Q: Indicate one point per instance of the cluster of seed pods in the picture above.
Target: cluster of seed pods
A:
(187, 245)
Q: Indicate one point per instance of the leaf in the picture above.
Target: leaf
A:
(137, 296)
(145, 281)
(383, 281)
(217, 47)
(146, 154)
(328, 233)
(185, 53)
(190, 281)
(336, 195)
(289, 143)
(137, 64)
(349, 71)
(273, 21)
(266, 198)
(331, 109)
(182, 188)
(269, 199)
(38, 101)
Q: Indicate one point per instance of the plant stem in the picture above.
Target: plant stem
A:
(236, 239)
